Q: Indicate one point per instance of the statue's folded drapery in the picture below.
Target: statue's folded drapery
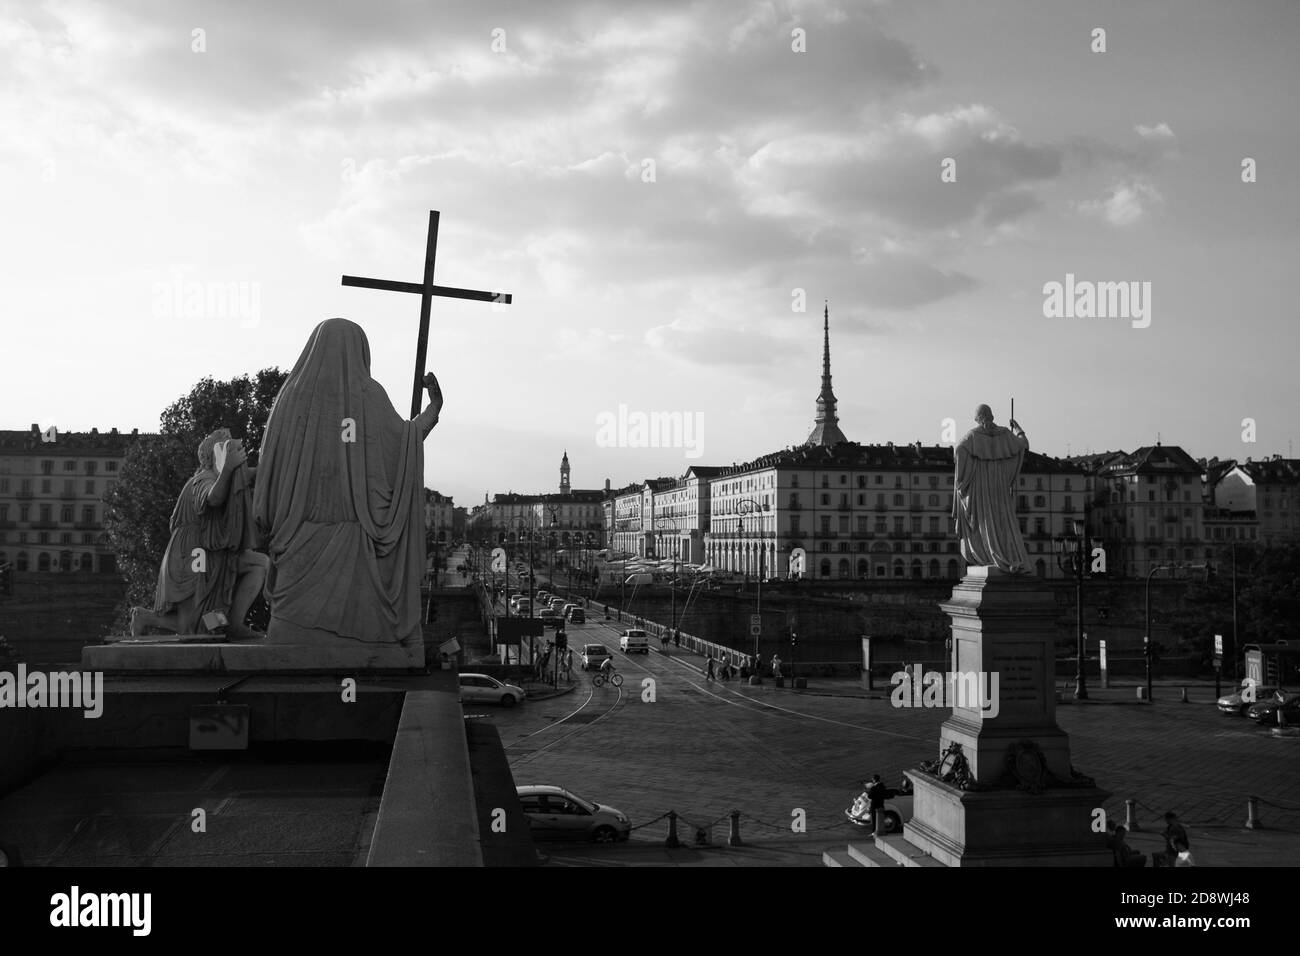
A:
(206, 577)
(988, 461)
(339, 498)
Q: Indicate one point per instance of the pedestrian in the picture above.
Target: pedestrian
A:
(708, 673)
(677, 638)
(724, 672)
(663, 640)
(1175, 833)
(875, 799)
(567, 663)
(744, 669)
(1124, 854)
(776, 667)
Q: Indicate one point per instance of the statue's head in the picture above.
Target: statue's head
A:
(208, 444)
(984, 415)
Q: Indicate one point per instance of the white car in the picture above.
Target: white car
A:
(593, 655)
(634, 641)
(482, 688)
(559, 813)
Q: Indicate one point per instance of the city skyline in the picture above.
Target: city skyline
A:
(191, 187)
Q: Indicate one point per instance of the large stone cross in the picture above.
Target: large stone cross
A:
(426, 290)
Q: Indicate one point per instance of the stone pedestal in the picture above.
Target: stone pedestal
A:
(1003, 791)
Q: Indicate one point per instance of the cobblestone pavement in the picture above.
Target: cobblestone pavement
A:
(669, 739)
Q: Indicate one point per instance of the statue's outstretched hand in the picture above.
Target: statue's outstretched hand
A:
(435, 392)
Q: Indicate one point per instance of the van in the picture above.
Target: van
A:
(634, 641)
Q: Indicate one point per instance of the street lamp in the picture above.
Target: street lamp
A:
(674, 524)
(1072, 553)
(744, 507)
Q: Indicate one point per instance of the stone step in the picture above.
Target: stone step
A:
(902, 853)
(838, 858)
(867, 855)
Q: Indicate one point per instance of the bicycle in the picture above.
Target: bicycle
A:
(600, 679)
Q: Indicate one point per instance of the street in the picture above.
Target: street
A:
(671, 740)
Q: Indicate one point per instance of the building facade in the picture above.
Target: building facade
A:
(52, 488)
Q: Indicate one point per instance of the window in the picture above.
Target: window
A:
(68, 488)
(1151, 496)
(1022, 502)
(70, 464)
(934, 501)
(90, 486)
(898, 501)
(1040, 501)
(88, 514)
(844, 500)
(90, 467)
(862, 524)
(862, 499)
(23, 512)
(4, 486)
(1069, 503)
(916, 525)
(45, 486)
(4, 512)
(879, 479)
(898, 526)
(862, 482)
(47, 467)
(881, 527)
(794, 524)
(794, 481)
(934, 481)
(934, 526)
(826, 524)
(65, 514)
(1039, 526)
(45, 513)
(844, 524)
(844, 479)
(826, 481)
(1024, 525)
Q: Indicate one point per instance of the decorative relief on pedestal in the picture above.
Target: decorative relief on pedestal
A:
(1027, 766)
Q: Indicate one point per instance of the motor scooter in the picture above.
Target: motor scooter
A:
(891, 817)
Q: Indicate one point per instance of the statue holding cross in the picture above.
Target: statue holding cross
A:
(426, 290)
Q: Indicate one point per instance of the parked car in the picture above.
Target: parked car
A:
(558, 813)
(634, 641)
(593, 655)
(543, 597)
(550, 618)
(569, 607)
(1265, 711)
(1241, 701)
(482, 688)
(576, 615)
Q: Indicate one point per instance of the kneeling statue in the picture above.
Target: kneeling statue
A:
(210, 574)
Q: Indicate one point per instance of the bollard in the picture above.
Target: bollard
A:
(672, 842)
(1131, 815)
(734, 838)
(1184, 700)
(1252, 813)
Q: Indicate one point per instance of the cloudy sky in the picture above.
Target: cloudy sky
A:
(654, 183)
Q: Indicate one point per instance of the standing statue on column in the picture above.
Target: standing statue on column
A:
(988, 461)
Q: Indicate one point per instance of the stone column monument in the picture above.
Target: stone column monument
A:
(1002, 791)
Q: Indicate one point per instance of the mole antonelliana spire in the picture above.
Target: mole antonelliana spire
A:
(826, 431)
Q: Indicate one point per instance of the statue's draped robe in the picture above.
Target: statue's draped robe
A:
(988, 461)
(219, 530)
(343, 520)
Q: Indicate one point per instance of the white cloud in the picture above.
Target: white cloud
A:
(1128, 203)
(1160, 131)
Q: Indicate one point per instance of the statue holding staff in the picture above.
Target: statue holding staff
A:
(988, 462)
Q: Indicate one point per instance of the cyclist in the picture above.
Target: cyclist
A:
(607, 668)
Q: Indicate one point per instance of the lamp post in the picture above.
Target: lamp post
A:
(1072, 554)
(660, 525)
(744, 507)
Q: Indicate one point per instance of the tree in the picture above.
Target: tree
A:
(138, 513)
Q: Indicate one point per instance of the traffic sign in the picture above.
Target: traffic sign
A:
(755, 620)
(755, 630)
(1218, 645)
